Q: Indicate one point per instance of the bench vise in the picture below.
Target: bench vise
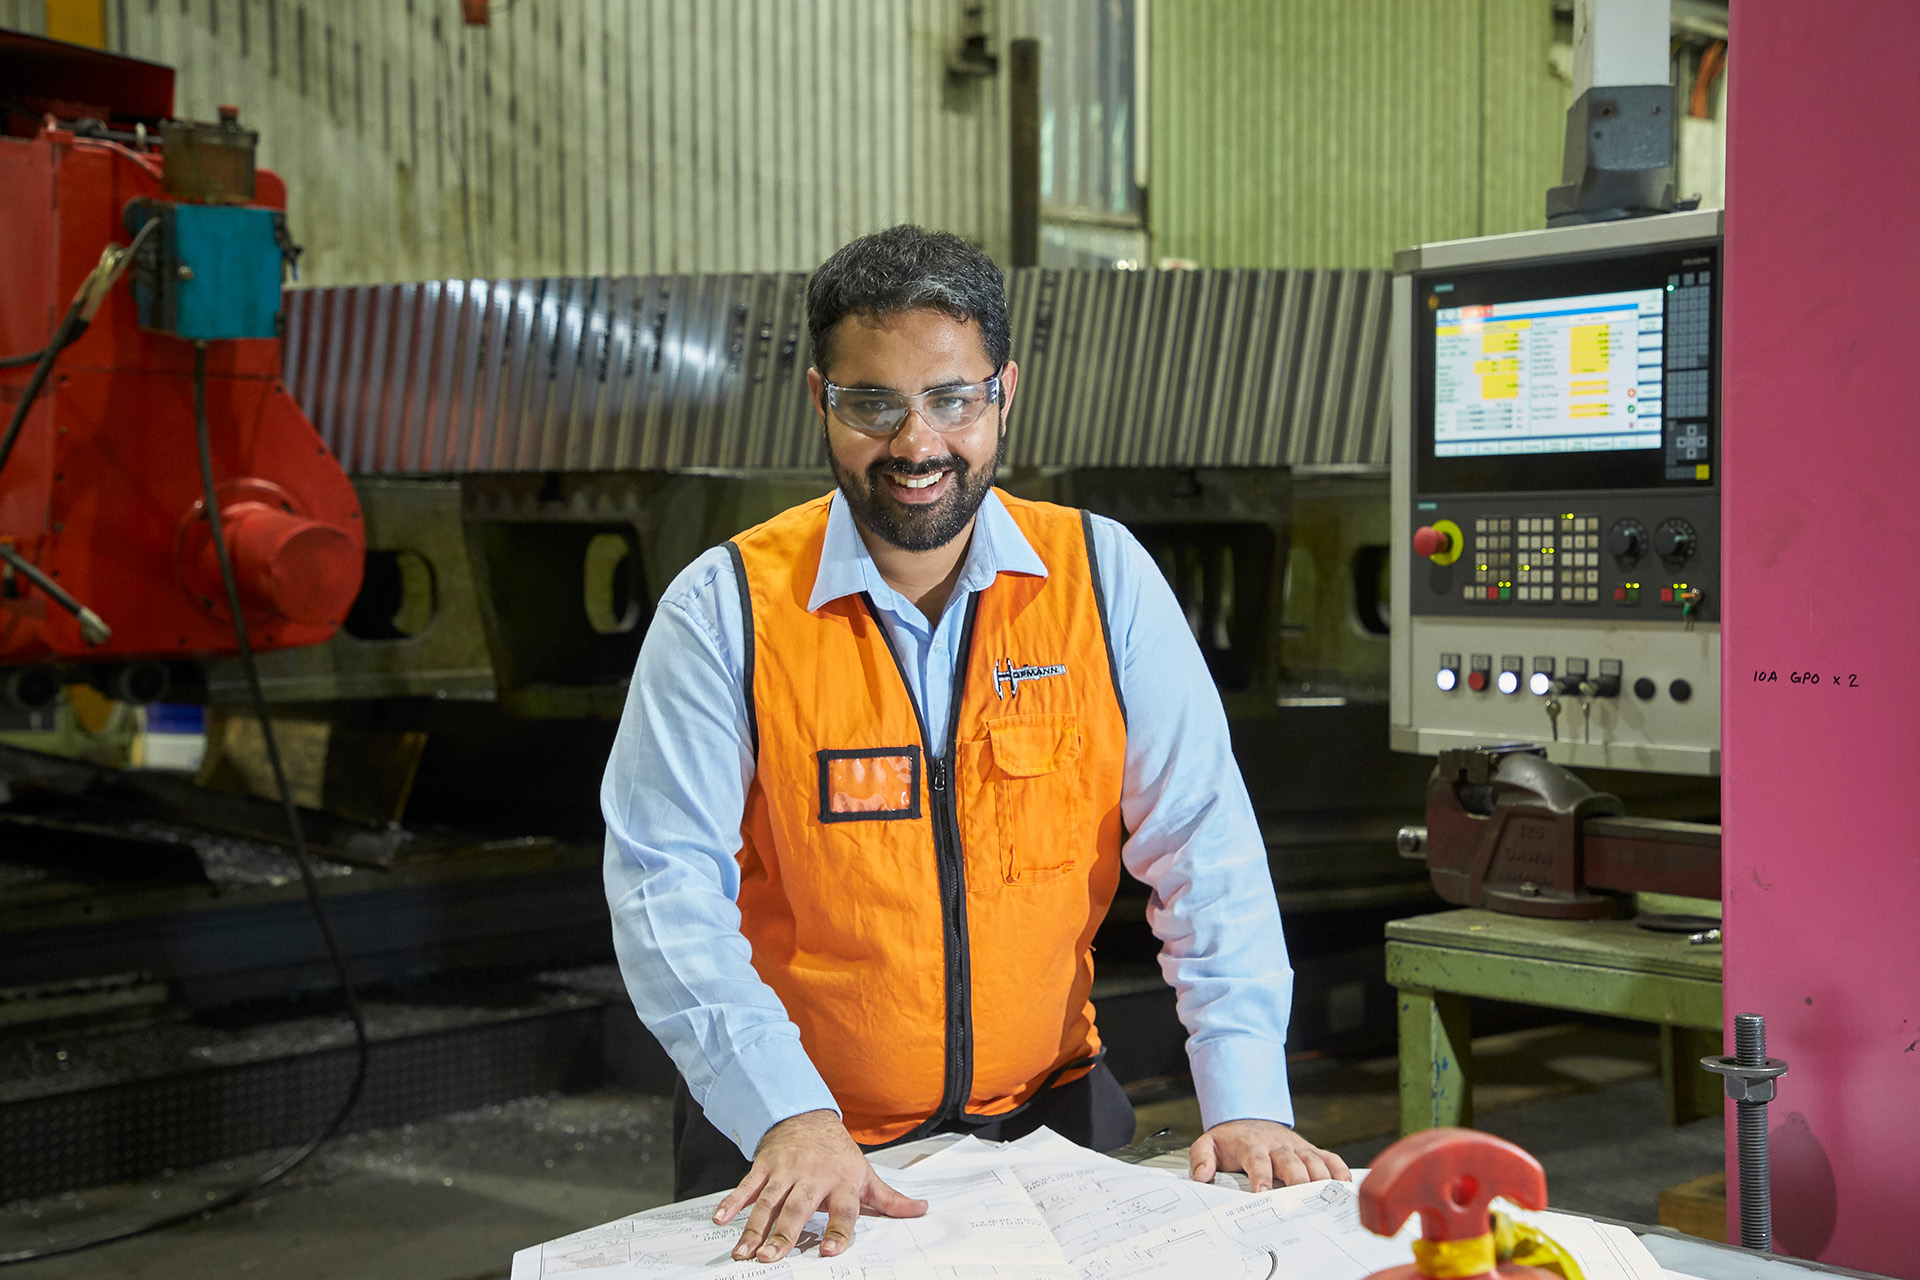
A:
(1508, 830)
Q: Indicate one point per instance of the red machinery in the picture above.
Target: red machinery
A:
(102, 489)
(1450, 1177)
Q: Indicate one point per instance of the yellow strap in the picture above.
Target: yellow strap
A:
(1530, 1246)
(1454, 1259)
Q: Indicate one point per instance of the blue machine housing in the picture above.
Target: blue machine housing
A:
(210, 271)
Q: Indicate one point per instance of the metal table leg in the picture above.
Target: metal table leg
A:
(1436, 1060)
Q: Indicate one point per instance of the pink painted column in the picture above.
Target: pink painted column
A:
(1821, 691)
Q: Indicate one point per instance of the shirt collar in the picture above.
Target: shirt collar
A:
(847, 568)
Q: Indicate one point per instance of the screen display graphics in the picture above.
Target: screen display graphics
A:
(1557, 375)
(1569, 375)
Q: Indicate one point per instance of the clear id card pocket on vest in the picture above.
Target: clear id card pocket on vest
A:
(870, 785)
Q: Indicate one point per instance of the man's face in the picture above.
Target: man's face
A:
(918, 488)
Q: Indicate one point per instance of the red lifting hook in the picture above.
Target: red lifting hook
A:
(1450, 1177)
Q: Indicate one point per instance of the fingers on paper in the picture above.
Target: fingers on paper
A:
(843, 1209)
(739, 1198)
(760, 1221)
(1259, 1170)
(803, 1201)
(1201, 1161)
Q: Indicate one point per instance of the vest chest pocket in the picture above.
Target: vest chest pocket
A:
(1039, 802)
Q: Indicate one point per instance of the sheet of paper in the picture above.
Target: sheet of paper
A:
(1603, 1250)
(1088, 1200)
(980, 1222)
(1044, 1208)
(1312, 1230)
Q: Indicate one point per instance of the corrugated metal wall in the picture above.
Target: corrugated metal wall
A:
(612, 137)
(1329, 133)
(1121, 368)
(24, 15)
(596, 137)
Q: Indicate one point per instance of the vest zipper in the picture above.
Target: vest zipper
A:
(953, 915)
(949, 863)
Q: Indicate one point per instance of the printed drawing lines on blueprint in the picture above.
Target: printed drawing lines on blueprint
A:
(1043, 1208)
(1089, 1200)
(980, 1223)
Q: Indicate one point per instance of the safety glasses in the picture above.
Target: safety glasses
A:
(877, 411)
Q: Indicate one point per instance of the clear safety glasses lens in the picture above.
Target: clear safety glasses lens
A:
(881, 412)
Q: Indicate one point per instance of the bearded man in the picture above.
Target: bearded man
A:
(882, 762)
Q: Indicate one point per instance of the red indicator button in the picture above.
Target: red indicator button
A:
(1429, 541)
(1477, 681)
(1666, 595)
(1620, 594)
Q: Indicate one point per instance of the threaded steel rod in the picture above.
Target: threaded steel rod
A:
(1756, 1187)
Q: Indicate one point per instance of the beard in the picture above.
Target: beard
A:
(913, 527)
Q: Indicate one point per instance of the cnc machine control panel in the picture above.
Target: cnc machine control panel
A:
(1557, 510)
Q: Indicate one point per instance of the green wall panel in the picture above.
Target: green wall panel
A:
(1329, 133)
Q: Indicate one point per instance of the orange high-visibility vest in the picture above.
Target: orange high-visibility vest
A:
(928, 922)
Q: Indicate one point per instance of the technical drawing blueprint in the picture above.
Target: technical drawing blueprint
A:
(1043, 1208)
(1089, 1200)
(980, 1223)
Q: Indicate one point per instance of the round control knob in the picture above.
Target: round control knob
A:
(1627, 541)
(1430, 542)
(1644, 689)
(1675, 541)
(1477, 681)
(1680, 690)
(1509, 682)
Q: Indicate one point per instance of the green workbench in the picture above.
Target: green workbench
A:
(1438, 962)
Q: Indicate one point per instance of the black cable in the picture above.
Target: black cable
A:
(70, 328)
(86, 301)
(91, 626)
(307, 881)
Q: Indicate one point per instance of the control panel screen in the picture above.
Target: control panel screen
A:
(1587, 374)
(1554, 375)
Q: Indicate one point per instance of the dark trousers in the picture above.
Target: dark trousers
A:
(1092, 1111)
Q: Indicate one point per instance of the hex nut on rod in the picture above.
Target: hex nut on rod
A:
(1749, 1075)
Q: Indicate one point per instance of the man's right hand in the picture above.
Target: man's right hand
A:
(804, 1164)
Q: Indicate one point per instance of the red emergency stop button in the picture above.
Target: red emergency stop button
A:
(1431, 542)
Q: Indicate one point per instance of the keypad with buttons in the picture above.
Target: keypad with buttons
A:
(1534, 559)
(1515, 562)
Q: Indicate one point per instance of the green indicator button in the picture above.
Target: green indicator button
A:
(1506, 593)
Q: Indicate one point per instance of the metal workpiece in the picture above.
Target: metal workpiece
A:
(1120, 368)
(1750, 1075)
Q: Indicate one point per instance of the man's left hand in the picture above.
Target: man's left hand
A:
(1266, 1151)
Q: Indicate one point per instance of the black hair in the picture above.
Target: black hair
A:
(907, 268)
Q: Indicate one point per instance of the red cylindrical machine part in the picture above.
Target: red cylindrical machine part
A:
(303, 570)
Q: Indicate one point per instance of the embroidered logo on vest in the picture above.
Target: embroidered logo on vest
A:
(1007, 677)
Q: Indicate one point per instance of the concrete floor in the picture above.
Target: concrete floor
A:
(451, 1199)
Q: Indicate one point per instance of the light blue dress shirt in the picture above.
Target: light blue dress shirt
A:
(676, 785)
